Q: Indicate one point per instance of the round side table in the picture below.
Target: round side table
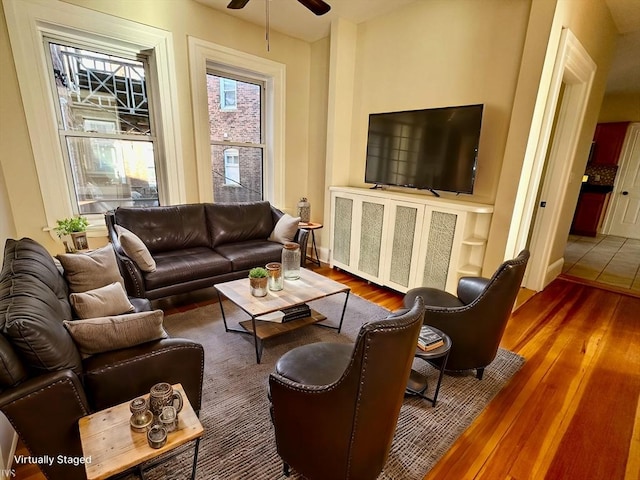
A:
(312, 226)
(417, 384)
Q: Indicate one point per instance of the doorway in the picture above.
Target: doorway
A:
(553, 169)
(612, 258)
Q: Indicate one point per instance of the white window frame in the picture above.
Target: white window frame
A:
(206, 56)
(28, 22)
(231, 167)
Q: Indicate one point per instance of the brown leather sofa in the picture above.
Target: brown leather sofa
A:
(45, 385)
(197, 245)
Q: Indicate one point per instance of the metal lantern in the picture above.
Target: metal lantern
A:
(304, 210)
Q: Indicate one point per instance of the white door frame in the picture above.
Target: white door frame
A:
(574, 67)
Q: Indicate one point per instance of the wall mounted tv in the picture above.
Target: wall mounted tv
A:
(432, 149)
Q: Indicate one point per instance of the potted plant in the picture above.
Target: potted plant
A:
(258, 281)
(76, 228)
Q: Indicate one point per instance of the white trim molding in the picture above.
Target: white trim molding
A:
(205, 55)
(28, 22)
(573, 68)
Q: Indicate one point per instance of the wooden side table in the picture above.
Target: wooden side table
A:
(107, 438)
(314, 249)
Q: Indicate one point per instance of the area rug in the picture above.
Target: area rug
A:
(239, 442)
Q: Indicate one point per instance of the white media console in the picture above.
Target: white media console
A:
(404, 241)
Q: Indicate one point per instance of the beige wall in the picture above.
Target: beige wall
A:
(620, 107)
(591, 23)
(183, 18)
(437, 54)
(426, 54)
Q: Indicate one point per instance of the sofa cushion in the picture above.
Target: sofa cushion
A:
(88, 271)
(167, 228)
(185, 265)
(101, 302)
(253, 253)
(238, 222)
(97, 335)
(135, 249)
(32, 317)
(285, 230)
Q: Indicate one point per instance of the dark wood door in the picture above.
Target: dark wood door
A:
(608, 141)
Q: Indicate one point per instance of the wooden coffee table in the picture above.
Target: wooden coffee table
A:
(107, 438)
(310, 286)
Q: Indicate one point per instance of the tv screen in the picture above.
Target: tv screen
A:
(434, 149)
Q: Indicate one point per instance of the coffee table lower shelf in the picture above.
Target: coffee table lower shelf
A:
(265, 330)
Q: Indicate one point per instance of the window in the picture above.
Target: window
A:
(237, 148)
(228, 94)
(105, 128)
(208, 60)
(231, 167)
(32, 24)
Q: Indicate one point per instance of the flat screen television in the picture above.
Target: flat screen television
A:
(432, 149)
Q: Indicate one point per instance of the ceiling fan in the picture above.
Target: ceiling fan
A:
(319, 7)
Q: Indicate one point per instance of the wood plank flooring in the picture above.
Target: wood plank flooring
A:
(571, 412)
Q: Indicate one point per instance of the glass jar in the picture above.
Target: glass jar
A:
(276, 282)
(291, 261)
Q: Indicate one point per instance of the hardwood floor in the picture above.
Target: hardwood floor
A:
(571, 412)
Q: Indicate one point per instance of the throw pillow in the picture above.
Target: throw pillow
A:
(88, 271)
(285, 229)
(135, 249)
(101, 302)
(97, 335)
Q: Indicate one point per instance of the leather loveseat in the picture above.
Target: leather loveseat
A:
(197, 245)
(46, 385)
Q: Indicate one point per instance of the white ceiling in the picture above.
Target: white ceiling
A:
(292, 18)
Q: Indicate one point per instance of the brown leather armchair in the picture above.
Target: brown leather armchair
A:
(335, 407)
(474, 320)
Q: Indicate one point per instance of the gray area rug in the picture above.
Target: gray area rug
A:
(239, 442)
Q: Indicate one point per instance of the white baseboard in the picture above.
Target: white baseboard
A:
(553, 271)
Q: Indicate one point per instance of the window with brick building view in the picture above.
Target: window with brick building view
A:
(236, 139)
(105, 128)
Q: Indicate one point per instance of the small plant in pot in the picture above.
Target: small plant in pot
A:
(76, 228)
(258, 281)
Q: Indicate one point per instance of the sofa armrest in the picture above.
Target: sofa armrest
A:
(45, 411)
(132, 275)
(120, 375)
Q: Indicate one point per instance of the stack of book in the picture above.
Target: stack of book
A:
(287, 314)
(429, 339)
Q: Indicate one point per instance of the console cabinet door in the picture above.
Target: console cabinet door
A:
(359, 240)
(405, 228)
(439, 250)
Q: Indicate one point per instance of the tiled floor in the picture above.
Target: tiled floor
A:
(604, 259)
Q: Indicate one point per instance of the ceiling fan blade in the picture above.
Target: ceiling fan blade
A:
(316, 6)
(237, 4)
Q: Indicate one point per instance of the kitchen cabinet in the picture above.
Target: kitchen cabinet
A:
(608, 140)
(587, 217)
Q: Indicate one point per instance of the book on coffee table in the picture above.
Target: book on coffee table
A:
(286, 314)
(429, 339)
